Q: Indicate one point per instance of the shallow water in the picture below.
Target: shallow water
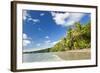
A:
(40, 57)
(57, 56)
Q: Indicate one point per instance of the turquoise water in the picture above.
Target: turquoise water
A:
(40, 57)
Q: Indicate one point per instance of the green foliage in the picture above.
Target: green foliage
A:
(78, 37)
(58, 47)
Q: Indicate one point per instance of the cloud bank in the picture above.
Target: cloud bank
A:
(67, 18)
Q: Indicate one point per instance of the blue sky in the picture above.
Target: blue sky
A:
(43, 29)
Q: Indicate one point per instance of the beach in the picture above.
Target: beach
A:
(75, 54)
(57, 56)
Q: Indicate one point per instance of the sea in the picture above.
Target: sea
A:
(40, 57)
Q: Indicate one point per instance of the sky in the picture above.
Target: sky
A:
(43, 29)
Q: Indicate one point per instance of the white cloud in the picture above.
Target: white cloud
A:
(24, 36)
(60, 18)
(47, 37)
(25, 15)
(55, 42)
(33, 20)
(38, 44)
(53, 13)
(30, 19)
(46, 44)
(26, 40)
(47, 41)
(66, 19)
(42, 14)
(74, 17)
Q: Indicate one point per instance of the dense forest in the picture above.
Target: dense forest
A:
(77, 37)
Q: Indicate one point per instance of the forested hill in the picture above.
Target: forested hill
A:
(78, 37)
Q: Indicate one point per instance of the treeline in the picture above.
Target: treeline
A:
(77, 37)
(38, 51)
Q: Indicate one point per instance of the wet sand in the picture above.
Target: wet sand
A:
(74, 54)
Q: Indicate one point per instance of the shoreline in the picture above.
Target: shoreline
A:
(83, 54)
(74, 54)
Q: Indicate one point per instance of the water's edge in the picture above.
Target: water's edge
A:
(57, 56)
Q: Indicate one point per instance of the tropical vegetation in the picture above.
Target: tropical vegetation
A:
(77, 37)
